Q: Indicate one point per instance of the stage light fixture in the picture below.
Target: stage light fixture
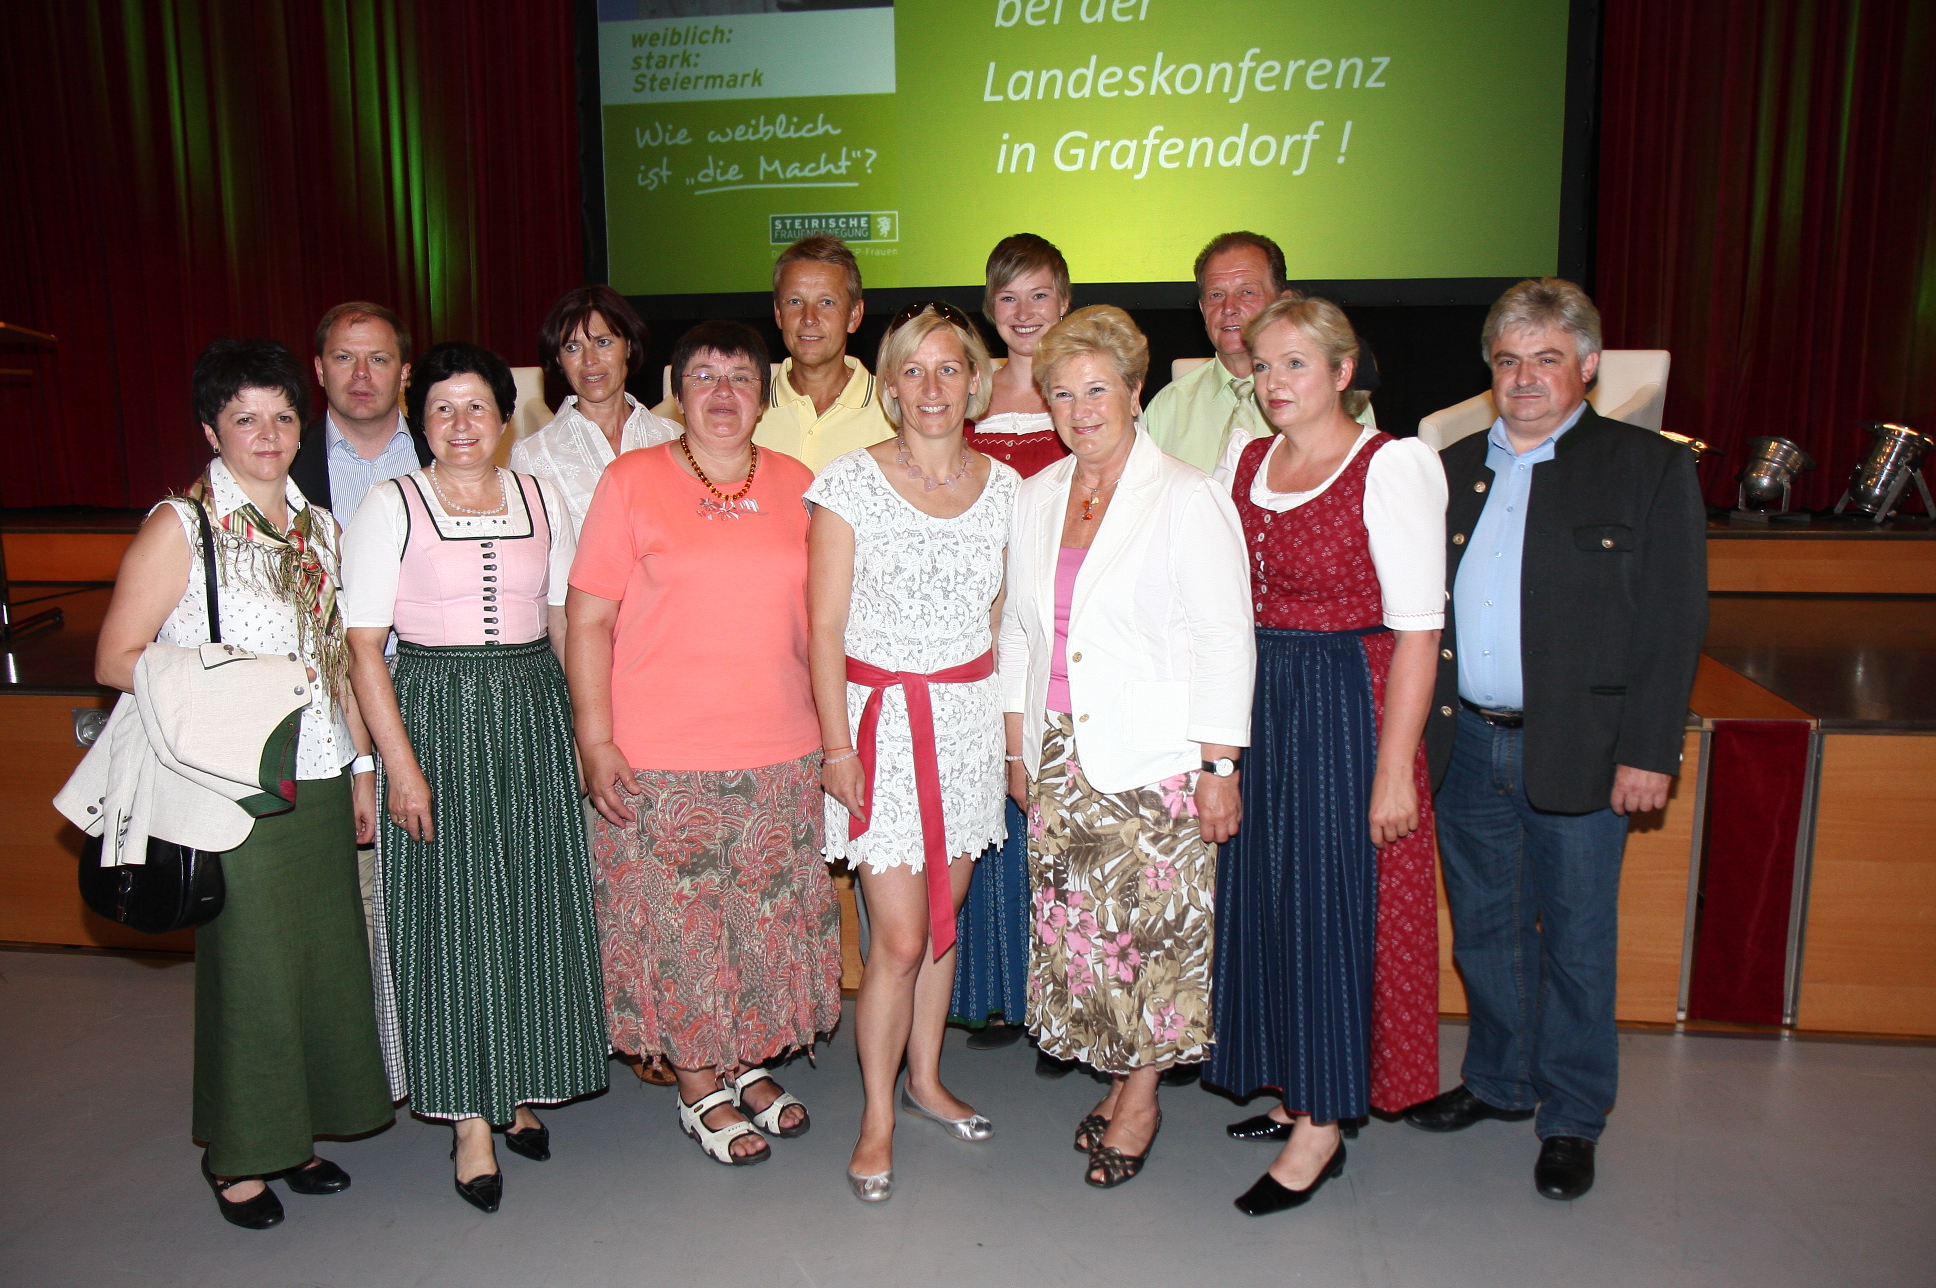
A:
(1878, 482)
(1764, 482)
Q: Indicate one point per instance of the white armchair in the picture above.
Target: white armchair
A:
(1631, 386)
(530, 415)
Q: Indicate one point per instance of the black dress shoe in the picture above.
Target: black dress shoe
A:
(1565, 1167)
(258, 1213)
(533, 1142)
(483, 1193)
(994, 1036)
(1458, 1109)
(1181, 1075)
(1268, 1195)
(318, 1176)
(1262, 1127)
(1047, 1066)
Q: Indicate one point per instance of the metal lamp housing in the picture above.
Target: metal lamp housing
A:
(1773, 464)
(1889, 467)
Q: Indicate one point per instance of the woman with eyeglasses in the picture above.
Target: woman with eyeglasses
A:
(687, 658)
(908, 544)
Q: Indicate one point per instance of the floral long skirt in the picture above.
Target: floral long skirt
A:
(718, 922)
(1122, 920)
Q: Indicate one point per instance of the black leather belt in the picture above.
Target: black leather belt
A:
(1497, 719)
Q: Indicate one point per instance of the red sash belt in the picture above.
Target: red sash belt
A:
(927, 773)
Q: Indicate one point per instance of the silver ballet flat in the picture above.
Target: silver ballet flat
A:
(878, 1188)
(973, 1127)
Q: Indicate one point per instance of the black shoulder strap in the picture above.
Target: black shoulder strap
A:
(208, 574)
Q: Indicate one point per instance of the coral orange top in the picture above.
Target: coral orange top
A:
(709, 655)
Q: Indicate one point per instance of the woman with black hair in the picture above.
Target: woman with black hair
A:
(285, 1030)
(484, 871)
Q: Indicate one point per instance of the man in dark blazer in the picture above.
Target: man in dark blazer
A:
(1576, 575)
(361, 439)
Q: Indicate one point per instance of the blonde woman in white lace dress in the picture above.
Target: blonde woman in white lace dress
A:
(905, 586)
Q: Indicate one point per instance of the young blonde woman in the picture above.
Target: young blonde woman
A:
(905, 590)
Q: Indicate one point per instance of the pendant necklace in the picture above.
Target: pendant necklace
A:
(929, 482)
(1094, 494)
(503, 501)
(719, 504)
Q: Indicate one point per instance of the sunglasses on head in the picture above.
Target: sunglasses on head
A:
(941, 308)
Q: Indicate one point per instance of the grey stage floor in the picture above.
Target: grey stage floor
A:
(1730, 1161)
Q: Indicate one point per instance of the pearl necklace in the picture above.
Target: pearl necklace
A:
(929, 482)
(503, 498)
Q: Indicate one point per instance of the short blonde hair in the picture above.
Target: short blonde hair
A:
(899, 344)
(1537, 303)
(1016, 255)
(1326, 326)
(1100, 328)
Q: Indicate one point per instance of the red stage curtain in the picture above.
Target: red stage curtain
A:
(1766, 211)
(1757, 773)
(176, 170)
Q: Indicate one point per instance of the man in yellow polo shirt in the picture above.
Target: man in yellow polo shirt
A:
(824, 403)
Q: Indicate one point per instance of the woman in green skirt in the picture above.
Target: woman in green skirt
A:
(485, 879)
(285, 1029)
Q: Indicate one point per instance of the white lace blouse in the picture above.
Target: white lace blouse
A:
(923, 590)
(1404, 513)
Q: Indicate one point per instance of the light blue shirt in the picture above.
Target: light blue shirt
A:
(1485, 594)
(351, 477)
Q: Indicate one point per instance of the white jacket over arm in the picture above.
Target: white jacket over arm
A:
(1162, 653)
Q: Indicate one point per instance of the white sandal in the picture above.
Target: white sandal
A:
(768, 1119)
(719, 1144)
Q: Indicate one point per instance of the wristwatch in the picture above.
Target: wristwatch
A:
(1222, 767)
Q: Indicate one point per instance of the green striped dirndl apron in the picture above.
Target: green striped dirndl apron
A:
(492, 943)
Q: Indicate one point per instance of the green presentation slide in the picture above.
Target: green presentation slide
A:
(1397, 140)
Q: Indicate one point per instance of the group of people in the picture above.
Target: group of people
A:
(1128, 721)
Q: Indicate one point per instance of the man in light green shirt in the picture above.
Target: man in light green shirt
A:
(1193, 417)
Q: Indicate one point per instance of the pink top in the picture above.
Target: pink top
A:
(709, 654)
(1067, 564)
(473, 590)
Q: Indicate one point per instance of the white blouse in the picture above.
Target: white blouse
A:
(373, 544)
(1404, 512)
(571, 452)
(256, 618)
(1014, 422)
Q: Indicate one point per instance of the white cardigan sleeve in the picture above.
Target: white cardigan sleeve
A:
(1404, 512)
(1011, 646)
(1213, 586)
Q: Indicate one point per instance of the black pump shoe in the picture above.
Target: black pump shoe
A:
(533, 1143)
(994, 1036)
(1047, 1066)
(317, 1176)
(1265, 1127)
(258, 1213)
(482, 1192)
(1269, 1195)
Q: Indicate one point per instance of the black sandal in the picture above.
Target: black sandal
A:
(1089, 1133)
(1117, 1167)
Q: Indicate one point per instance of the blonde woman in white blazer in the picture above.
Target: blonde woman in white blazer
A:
(1126, 660)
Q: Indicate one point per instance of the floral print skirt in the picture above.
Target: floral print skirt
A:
(718, 922)
(1122, 917)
